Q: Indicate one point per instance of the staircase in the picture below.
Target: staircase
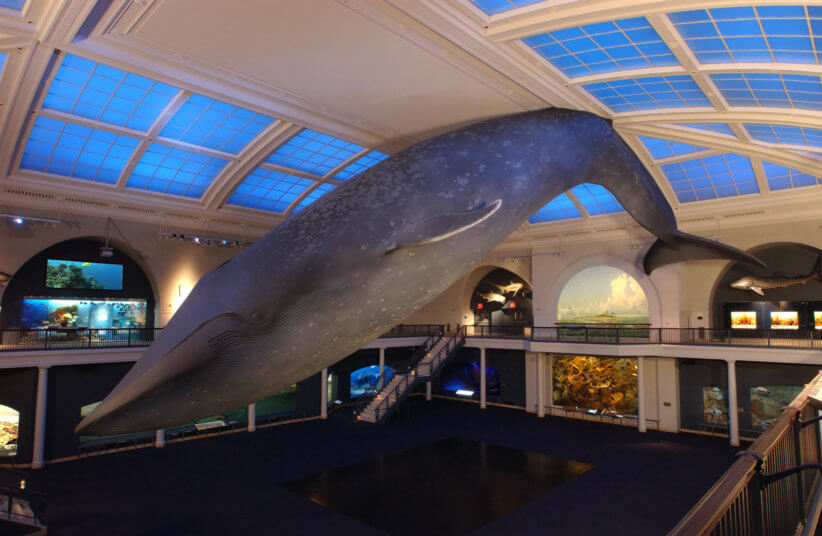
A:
(437, 350)
(20, 509)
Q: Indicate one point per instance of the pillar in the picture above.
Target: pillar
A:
(549, 379)
(160, 438)
(483, 380)
(40, 418)
(642, 425)
(540, 385)
(733, 412)
(382, 369)
(324, 394)
(428, 391)
(252, 417)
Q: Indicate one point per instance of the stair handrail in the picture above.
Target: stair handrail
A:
(425, 370)
(397, 388)
(426, 346)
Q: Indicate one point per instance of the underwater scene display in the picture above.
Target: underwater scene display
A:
(743, 319)
(602, 295)
(9, 425)
(466, 377)
(502, 298)
(715, 404)
(40, 313)
(784, 320)
(767, 402)
(601, 383)
(83, 275)
(364, 380)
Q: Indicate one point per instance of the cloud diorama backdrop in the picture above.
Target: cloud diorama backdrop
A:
(602, 295)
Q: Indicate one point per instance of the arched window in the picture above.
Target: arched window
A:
(602, 295)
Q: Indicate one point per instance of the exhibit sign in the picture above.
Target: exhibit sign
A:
(784, 320)
(82, 275)
(743, 319)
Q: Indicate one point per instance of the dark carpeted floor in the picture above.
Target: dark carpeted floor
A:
(639, 483)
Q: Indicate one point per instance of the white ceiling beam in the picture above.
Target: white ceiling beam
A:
(577, 203)
(642, 153)
(781, 116)
(761, 179)
(685, 157)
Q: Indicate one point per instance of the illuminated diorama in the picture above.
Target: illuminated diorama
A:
(597, 383)
(715, 404)
(602, 295)
(743, 319)
(9, 429)
(366, 379)
(502, 298)
(83, 275)
(464, 378)
(39, 313)
(767, 402)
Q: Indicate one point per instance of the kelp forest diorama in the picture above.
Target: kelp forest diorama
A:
(605, 384)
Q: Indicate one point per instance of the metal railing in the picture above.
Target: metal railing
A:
(770, 489)
(75, 338)
(18, 504)
(413, 330)
(642, 334)
(428, 368)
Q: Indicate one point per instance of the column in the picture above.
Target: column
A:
(549, 379)
(252, 417)
(640, 394)
(483, 380)
(160, 438)
(382, 368)
(324, 394)
(540, 385)
(40, 418)
(428, 391)
(733, 412)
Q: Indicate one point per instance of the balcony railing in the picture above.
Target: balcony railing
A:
(75, 338)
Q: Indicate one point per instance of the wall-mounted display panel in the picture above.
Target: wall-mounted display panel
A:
(600, 383)
(83, 275)
(42, 313)
(602, 295)
(715, 404)
(9, 428)
(784, 320)
(767, 402)
(743, 319)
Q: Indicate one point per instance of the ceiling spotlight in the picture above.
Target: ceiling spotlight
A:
(18, 221)
(196, 239)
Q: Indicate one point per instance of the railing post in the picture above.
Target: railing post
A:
(89, 337)
(660, 335)
(800, 476)
(617, 335)
(755, 500)
(129, 337)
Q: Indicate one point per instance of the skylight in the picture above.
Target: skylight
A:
(648, 93)
(13, 4)
(492, 7)
(96, 91)
(2, 61)
(266, 189)
(314, 152)
(359, 165)
(560, 208)
(783, 178)
(761, 34)
(725, 175)
(719, 128)
(76, 151)
(175, 171)
(770, 90)
(596, 199)
(786, 134)
(215, 124)
(315, 194)
(603, 47)
(665, 148)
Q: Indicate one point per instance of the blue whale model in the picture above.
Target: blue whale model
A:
(365, 256)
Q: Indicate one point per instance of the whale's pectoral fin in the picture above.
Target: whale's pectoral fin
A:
(681, 246)
(758, 290)
(436, 228)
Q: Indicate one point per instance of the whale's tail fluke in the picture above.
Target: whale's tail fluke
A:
(681, 246)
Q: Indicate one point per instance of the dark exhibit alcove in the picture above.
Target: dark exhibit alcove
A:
(506, 368)
(502, 298)
(788, 307)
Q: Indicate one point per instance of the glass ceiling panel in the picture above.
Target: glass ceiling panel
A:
(783, 178)
(560, 208)
(315, 194)
(215, 124)
(649, 93)
(770, 90)
(596, 199)
(786, 134)
(76, 151)
(13, 4)
(719, 128)
(725, 175)
(314, 152)
(175, 171)
(266, 189)
(665, 148)
(359, 165)
(761, 34)
(492, 7)
(96, 91)
(2, 61)
(604, 47)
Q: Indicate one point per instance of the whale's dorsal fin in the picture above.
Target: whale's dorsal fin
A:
(436, 228)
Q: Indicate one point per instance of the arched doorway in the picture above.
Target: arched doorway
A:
(502, 298)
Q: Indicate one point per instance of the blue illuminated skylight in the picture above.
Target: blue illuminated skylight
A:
(96, 91)
(782, 178)
(762, 34)
(725, 175)
(666, 148)
(315, 194)
(719, 128)
(266, 189)
(596, 199)
(76, 151)
(603, 47)
(359, 165)
(2, 61)
(492, 7)
(215, 124)
(786, 134)
(13, 4)
(175, 171)
(560, 208)
(770, 90)
(314, 152)
(648, 93)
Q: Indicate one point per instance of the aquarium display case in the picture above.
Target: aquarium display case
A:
(743, 319)
(83, 275)
(45, 313)
(715, 405)
(364, 380)
(596, 383)
(767, 402)
(9, 428)
(784, 320)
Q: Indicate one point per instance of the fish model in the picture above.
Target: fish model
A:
(510, 288)
(363, 257)
(492, 297)
(760, 284)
